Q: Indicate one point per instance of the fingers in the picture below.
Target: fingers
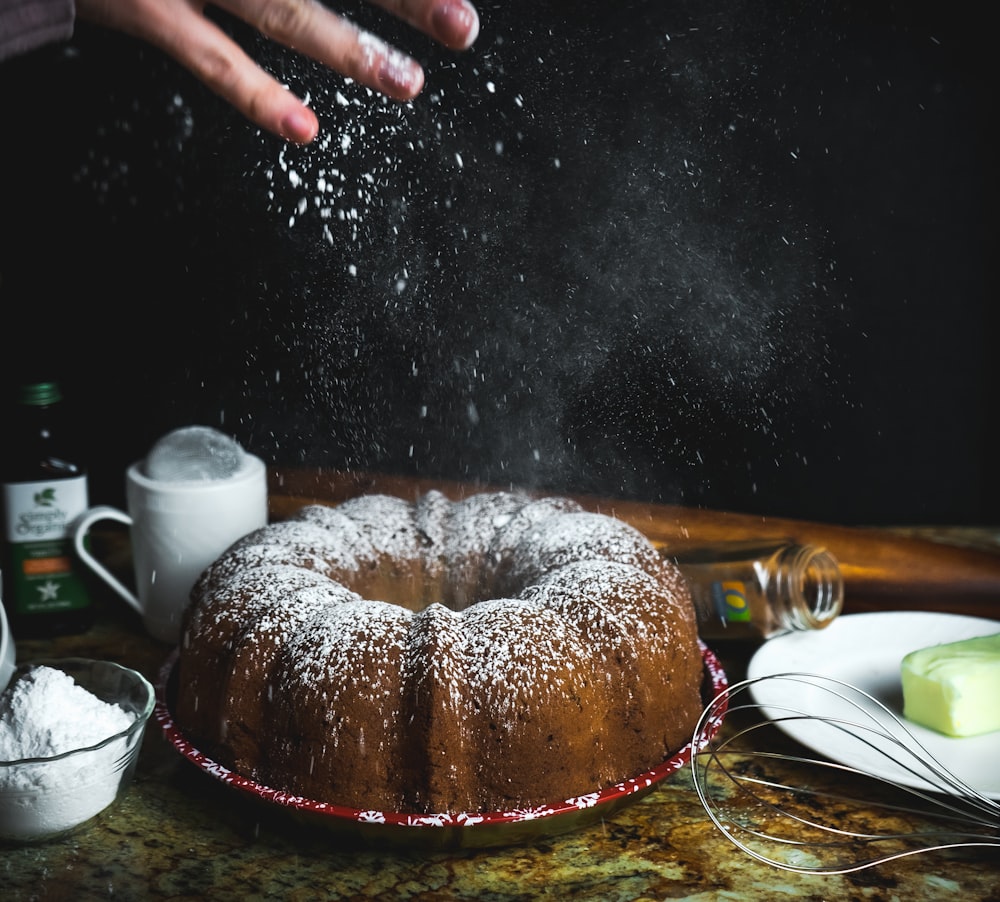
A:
(312, 29)
(181, 28)
(223, 66)
(453, 23)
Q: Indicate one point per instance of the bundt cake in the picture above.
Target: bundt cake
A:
(522, 651)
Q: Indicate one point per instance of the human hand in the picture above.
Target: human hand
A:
(182, 30)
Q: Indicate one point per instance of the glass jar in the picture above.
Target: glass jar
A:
(755, 590)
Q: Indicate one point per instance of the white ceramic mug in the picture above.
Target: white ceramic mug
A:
(8, 652)
(177, 529)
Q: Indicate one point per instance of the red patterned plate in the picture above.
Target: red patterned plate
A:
(447, 830)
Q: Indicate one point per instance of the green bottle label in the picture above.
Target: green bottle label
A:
(731, 601)
(37, 517)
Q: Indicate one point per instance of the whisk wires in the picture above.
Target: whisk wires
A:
(813, 825)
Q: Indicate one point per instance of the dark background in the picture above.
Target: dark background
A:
(719, 253)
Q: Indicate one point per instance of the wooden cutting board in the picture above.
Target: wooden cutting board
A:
(957, 571)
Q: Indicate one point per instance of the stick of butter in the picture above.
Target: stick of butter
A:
(954, 688)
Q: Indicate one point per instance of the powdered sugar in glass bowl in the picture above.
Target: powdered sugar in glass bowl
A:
(50, 789)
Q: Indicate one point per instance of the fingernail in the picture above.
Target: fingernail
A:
(456, 23)
(300, 126)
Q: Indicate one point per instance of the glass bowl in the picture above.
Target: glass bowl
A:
(42, 798)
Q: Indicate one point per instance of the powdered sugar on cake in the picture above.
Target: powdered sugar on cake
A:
(494, 652)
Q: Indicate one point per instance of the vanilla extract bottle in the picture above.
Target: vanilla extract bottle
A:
(44, 489)
(756, 590)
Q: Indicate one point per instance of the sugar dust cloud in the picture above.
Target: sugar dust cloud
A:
(557, 267)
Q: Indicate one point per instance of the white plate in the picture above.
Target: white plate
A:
(865, 651)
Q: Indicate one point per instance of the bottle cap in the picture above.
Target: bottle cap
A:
(40, 393)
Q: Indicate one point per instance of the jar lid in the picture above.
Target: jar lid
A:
(40, 393)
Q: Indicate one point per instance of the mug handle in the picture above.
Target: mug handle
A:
(80, 530)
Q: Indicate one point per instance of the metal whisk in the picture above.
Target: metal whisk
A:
(813, 827)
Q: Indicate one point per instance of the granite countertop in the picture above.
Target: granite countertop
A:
(179, 834)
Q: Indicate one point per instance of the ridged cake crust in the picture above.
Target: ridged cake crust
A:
(489, 654)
